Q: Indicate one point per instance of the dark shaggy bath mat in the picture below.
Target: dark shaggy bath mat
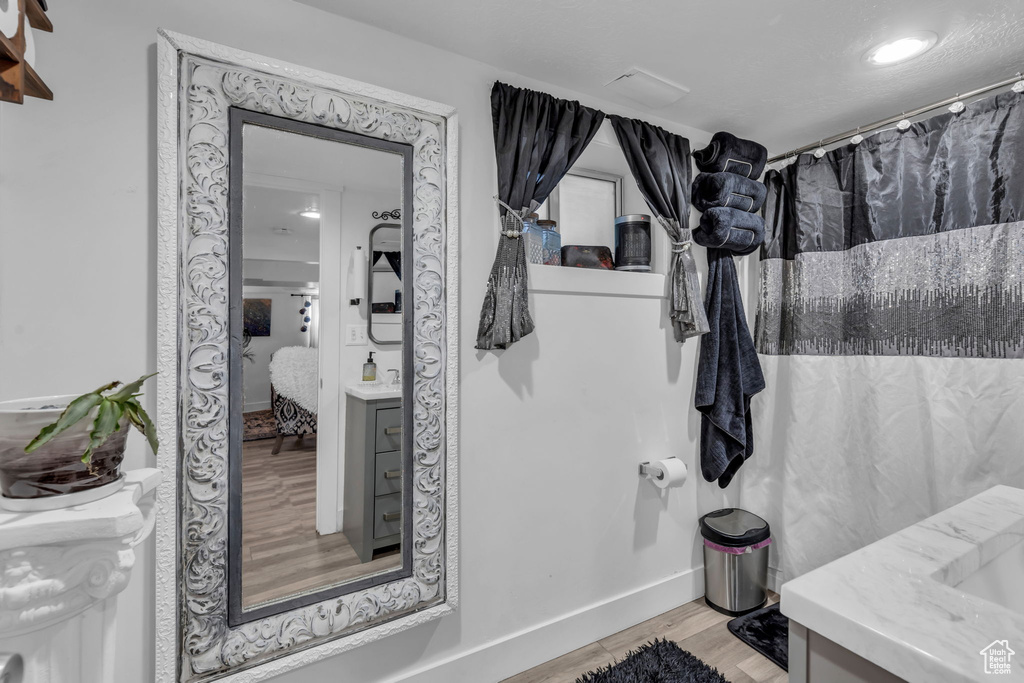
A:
(767, 631)
(259, 424)
(659, 662)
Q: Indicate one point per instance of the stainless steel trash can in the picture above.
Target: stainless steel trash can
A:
(735, 560)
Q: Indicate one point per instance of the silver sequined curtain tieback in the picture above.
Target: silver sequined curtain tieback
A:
(677, 247)
(508, 226)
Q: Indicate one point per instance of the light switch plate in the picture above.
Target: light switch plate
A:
(355, 335)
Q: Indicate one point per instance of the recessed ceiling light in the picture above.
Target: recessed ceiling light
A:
(311, 212)
(901, 49)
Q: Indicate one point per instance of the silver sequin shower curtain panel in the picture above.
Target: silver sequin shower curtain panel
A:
(537, 138)
(890, 331)
(911, 243)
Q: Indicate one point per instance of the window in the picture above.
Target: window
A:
(585, 204)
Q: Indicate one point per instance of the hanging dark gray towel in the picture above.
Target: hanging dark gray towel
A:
(726, 152)
(710, 190)
(738, 231)
(728, 374)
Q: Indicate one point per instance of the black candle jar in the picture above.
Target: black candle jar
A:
(633, 242)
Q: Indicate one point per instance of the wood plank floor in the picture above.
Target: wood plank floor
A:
(282, 554)
(694, 627)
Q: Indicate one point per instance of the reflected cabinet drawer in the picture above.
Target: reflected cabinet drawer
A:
(387, 515)
(389, 430)
(388, 473)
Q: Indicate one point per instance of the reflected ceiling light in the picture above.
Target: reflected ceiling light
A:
(901, 49)
(311, 212)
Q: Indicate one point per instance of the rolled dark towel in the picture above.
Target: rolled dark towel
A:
(727, 189)
(724, 228)
(735, 155)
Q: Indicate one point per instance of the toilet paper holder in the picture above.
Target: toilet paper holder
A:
(652, 471)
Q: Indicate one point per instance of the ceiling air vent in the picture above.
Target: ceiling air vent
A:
(646, 89)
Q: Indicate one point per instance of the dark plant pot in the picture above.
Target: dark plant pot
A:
(56, 468)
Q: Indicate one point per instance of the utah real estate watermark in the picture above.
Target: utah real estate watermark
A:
(997, 657)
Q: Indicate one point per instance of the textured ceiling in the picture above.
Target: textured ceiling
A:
(784, 72)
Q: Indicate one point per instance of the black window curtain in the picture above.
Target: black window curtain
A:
(660, 163)
(537, 138)
(394, 260)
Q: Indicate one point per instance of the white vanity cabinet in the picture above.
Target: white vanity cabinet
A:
(373, 474)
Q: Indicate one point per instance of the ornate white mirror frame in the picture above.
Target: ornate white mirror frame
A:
(198, 83)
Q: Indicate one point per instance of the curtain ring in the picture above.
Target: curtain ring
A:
(1018, 87)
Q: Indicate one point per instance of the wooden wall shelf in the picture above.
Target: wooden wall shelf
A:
(7, 50)
(34, 85)
(37, 18)
(18, 79)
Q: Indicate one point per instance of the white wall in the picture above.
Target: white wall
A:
(554, 520)
(285, 330)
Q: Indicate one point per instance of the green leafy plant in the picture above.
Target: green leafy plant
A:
(112, 407)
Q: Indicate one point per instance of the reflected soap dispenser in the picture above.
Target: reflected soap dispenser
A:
(370, 369)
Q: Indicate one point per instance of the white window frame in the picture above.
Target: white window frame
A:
(553, 204)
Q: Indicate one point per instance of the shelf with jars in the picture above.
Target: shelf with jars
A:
(543, 244)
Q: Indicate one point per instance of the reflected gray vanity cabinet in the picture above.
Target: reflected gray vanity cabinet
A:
(373, 474)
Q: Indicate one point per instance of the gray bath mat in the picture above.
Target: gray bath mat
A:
(767, 631)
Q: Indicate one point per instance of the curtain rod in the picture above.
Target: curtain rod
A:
(895, 119)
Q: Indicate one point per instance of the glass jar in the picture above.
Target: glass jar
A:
(533, 239)
(551, 249)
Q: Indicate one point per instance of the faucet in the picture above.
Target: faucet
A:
(394, 378)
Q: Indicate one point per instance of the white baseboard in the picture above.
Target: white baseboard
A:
(256, 405)
(517, 652)
(774, 579)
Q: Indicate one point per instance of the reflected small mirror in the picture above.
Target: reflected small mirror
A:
(318, 457)
(384, 284)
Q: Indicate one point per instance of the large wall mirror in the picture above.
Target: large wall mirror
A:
(319, 495)
(311, 512)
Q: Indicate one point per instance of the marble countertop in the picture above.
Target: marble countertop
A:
(896, 604)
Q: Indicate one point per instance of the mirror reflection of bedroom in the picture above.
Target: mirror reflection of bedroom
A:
(321, 450)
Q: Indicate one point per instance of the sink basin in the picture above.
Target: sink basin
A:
(1000, 581)
(374, 391)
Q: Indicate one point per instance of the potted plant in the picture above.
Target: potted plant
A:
(58, 445)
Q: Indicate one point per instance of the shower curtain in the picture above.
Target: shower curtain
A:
(890, 329)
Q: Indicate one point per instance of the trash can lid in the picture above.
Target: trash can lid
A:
(734, 528)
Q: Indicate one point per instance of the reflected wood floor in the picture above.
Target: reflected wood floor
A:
(282, 554)
(694, 627)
